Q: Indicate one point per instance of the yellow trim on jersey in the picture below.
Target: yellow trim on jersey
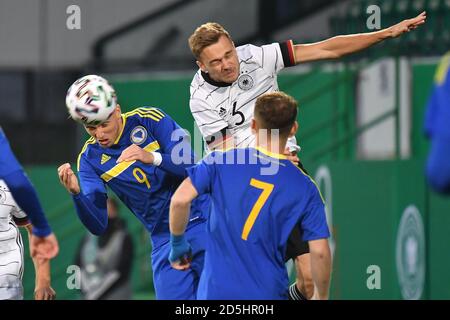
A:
(442, 69)
(312, 180)
(89, 141)
(153, 146)
(151, 113)
(124, 121)
(270, 154)
(121, 167)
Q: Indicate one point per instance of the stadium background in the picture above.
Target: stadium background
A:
(361, 120)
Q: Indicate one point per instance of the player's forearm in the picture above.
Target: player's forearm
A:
(92, 211)
(178, 216)
(28, 201)
(177, 158)
(41, 266)
(321, 271)
(343, 45)
(175, 166)
(42, 271)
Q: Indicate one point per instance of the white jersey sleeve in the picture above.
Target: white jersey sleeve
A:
(275, 57)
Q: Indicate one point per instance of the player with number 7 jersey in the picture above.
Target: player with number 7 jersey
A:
(253, 211)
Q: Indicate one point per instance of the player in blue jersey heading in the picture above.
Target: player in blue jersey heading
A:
(437, 129)
(134, 155)
(253, 213)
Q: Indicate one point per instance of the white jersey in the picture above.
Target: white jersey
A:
(216, 106)
(11, 246)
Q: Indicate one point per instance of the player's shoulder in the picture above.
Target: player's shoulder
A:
(299, 177)
(143, 113)
(250, 52)
(247, 51)
(199, 89)
(232, 155)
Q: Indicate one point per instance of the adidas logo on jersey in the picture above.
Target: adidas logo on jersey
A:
(105, 158)
(222, 111)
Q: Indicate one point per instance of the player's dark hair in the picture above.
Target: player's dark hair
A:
(276, 110)
(206, 35)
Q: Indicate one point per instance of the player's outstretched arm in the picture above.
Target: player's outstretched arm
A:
(43, 289)
(178, 219)
(320, 267)
(340, 46)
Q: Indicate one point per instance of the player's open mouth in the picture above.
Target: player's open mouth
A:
(103, 141)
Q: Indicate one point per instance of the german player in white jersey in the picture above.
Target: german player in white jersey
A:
(229, 80)
(12, 253)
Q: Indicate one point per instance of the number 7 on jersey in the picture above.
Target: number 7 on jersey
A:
(267, 189)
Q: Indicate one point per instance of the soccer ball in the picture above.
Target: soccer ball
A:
(91, 100)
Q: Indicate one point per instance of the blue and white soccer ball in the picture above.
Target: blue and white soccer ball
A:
(91, 100)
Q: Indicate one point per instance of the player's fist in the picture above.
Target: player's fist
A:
(68, 178)
(44, 247)
(180, 255)
(135, 152)
(407, 25)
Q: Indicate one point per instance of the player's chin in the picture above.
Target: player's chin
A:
(105, 143)
(230, 78)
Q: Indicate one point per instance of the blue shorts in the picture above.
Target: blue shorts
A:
(171, 284)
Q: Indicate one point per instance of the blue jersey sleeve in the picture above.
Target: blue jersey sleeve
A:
(21, 188)
(90, 182)
(8, 162)
(314, 221)
(202, 175)
(90, 204)
(176, 151)
(92, 212)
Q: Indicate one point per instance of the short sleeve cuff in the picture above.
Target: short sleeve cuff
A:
(288, 54)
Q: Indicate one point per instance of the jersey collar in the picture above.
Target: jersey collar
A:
(213, 82)
(270, 154)
(124, 120)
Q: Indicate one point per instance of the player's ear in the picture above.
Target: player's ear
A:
(254, 126)
(118, 111)
(202, 66)
(293, 129)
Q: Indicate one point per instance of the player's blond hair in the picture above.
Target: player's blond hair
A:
(276, 110)
(206, 35)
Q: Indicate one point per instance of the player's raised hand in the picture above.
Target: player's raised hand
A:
(68, 178)
(407, 25)
(135, 152)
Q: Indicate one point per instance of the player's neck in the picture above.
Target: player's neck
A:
(276, 146)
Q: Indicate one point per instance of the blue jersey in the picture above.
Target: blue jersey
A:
(437, 117)
(8, 162)
(145, 189)
(21, 188)
(252, 216)
(437, 128)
